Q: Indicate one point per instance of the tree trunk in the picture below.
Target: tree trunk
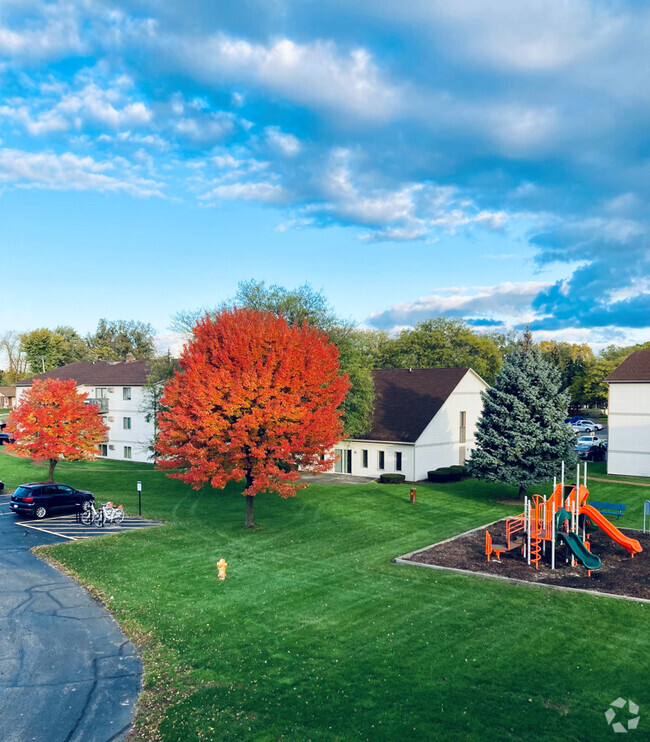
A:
(250, 504)
(52, 465)
(522, 491)
(250, 521)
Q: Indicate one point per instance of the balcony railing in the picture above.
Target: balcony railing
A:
(102, 403)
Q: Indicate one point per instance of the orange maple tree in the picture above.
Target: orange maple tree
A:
(53, 422)
(254, 399)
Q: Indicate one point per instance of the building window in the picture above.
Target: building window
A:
(103, 449)
(398, 461)
(127, 452)
(364, 458)
(101, 392)
(127, 423)
(380, 459)
(463, 427)
(126, 392)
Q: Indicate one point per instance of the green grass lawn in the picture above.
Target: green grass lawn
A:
(317, 635)
(599, 469)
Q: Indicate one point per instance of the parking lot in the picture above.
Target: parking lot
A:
(67, 526)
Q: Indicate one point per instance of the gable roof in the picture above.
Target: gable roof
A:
(636, 367)
(97, 373)
(8, 391)
(407, 400)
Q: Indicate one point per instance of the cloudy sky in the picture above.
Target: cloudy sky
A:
(484, 160)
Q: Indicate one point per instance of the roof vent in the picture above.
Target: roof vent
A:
(130, 358)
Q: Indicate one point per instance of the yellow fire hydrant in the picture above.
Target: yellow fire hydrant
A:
(221, 566)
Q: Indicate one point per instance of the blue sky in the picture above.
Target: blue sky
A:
(489, 161)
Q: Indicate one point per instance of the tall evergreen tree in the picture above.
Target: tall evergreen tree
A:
(522, 437)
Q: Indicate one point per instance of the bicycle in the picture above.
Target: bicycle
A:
(89, 514)
(113, 514)
(106, 512)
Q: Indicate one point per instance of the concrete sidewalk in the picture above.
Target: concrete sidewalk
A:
(328, 478)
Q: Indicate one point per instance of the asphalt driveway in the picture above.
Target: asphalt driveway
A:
(67, 673)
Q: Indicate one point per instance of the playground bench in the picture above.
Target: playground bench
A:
(610, 508)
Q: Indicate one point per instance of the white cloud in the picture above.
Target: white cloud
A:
(396, 234)
(54, 32)
(170, 342)
(315, 73)
(102, 105)
(264, 192)
(68, 171)
(530, 36)
(507, 302)
(74, 108)
(207, 128)
(286, 144)
(45, 123)
(521, 130)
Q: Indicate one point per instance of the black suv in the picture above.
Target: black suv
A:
(38, 499)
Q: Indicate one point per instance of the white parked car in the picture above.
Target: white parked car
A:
(589, 440)
(586, 426)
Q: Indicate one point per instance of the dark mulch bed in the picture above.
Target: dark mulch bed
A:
(619, 573)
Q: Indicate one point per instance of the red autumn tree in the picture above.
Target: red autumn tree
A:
(255, 399)
(53, 422)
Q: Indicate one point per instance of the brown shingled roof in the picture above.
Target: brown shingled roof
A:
(97, 373)
(407, 400)
(636, 367)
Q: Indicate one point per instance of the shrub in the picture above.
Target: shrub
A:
(392, 478)
(447, 474)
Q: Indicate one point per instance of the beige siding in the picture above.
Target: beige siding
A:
(373, 448)
(440, 445)
(628, 447)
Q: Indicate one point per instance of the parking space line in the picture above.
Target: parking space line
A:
(69, 528)
(44, 530)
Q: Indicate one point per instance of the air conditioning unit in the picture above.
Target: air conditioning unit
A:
(111, 419)
(111, 389)
(111, 447)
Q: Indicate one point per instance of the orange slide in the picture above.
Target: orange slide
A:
(631, 544)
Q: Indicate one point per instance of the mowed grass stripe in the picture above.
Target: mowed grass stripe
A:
(316, 634)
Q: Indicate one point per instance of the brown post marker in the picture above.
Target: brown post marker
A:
(412, 495)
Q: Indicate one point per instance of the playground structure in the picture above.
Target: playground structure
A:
(564, 518)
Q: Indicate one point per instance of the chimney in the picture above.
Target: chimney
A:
(130, 358)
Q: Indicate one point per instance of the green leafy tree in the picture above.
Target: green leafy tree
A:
(304, 304)
(443, 343)
(43, 350)
(46, 349)
(161, 369)
(75, 348)
(521, 437)
(590, 387)
(113, 340)
(505, 340)
(570, 359)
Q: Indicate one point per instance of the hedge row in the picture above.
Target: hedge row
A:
(448, 474)
(392, 478)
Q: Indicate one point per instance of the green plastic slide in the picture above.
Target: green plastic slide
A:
(579, 550)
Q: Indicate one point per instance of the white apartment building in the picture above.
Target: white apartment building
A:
(628, 419)
(117, 387)
(423, 419)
